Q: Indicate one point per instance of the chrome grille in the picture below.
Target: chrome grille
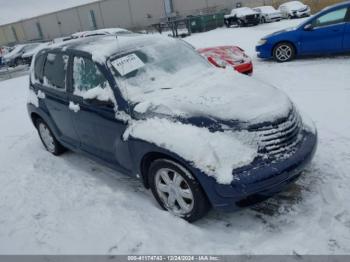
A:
(281, 137)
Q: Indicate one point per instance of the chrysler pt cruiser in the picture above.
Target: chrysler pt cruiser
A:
(199, 137)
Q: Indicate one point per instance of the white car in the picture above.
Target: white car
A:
(294, 9)
(268, 14)
(105, 31)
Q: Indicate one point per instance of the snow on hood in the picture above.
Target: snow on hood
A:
(216, 93)
(217, 154)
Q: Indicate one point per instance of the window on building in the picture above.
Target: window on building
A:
(93, 20)
(40, 31)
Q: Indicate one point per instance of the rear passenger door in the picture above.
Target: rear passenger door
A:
(92, 104)
(52, 82)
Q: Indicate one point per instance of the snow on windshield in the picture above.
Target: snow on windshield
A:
(182, 83)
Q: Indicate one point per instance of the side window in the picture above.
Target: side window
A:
(88, 81)
(334, 17)
(38, 67)
(55, 70)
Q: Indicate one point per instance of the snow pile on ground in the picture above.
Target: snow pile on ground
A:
(216, 154)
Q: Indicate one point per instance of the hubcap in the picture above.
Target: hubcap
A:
(284, 52)
(174, 191)
(46, 137)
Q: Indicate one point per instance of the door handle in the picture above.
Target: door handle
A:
(74, 107)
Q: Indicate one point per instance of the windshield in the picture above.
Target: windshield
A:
(157, 66)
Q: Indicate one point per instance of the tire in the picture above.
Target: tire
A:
(263, 20)
(284, 52)
(48, 139)
(171, 182)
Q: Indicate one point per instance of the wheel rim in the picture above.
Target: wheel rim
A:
(174, 191)
(283, 52)
(47, 138)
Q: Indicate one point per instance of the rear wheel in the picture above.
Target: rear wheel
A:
(284, 52)
(48, 139)
(177, 191)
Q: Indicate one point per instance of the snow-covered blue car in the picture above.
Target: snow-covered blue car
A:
(327, 32)
(151, 107)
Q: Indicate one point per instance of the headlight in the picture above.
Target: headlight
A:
(262, 42)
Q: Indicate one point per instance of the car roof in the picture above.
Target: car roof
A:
(103, 47)
(346, 3)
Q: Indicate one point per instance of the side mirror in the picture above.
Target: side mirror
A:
(308, 27)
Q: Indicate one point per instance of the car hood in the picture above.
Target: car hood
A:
(213, 96)
(280, 32)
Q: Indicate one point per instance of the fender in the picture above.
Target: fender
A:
(141, 150)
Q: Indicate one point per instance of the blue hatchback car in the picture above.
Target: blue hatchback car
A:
(151, 107)
(327, 32)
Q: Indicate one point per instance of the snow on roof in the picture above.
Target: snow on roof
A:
(102, 47)
(267, 9)
(293, 4)
(243, 11)
(15, 10)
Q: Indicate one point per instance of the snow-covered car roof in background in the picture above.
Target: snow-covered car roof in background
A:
(243, 11)
(293, 5)
(266, 9)
(32, 51)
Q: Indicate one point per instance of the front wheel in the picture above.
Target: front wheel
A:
(284, 52)
(177, 191)
(48, 139)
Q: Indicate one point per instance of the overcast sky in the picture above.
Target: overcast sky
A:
(14, 10)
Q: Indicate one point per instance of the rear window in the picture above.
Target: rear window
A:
(55, 70)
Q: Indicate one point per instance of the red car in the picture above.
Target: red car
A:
(234, 56)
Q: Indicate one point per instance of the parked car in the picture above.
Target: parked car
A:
(27, 56)
(105, 31)
(268, 14)
(327, 32)
(14, 58)
(294, 9)
(223, 56)
(242, 16)
(197, 136)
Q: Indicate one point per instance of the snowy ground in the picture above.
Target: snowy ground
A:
(72, 205)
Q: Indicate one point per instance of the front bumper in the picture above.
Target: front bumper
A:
(265, 179)
(264, 51)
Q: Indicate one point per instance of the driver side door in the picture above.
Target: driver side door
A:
(92, 106)
(326, 33)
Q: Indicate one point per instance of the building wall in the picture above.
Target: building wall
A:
(85, 16)
(116, 13)
(31, 29)
(131, 14)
